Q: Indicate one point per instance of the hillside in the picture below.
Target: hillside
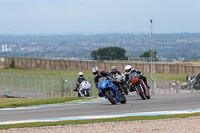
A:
(177, 46)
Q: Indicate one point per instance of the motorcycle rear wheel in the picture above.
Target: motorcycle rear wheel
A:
(111, 96)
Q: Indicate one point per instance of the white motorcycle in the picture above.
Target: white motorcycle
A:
(84, 90)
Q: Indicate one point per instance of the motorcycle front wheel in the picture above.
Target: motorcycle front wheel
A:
(87, 93)
(111, 96)
(125, 88)
(123, 99)
(148, 95)
(141, 92)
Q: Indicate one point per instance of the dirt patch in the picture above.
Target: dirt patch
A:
(149, 126)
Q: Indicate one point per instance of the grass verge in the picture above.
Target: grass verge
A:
(74, 73)
(130, 118)
(23, 102)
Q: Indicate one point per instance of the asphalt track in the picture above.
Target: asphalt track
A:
(157, 103)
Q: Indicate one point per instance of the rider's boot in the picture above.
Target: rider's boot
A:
(131, 89)
(148, 87)
(100, 94)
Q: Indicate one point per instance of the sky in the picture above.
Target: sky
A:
(98, 16)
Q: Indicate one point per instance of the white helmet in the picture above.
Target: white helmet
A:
(80, 74)
(128, 69)
(95, 71)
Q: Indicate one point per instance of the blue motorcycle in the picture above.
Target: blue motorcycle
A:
(110, 91)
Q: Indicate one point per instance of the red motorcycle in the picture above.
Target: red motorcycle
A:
(139, 86)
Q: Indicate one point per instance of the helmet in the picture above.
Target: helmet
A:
(80, 74)
(95, 71)
(113, 69)
(128, 69)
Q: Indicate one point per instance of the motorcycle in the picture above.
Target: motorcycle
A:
(84, 89)
(110, 91)
(120, 81)
(139, 86)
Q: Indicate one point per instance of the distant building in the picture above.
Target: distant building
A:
(2, 46)
(5, 48)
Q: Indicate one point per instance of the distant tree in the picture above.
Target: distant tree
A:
(109, 53)
(148, 54)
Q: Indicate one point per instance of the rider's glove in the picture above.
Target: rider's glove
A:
(141, 74)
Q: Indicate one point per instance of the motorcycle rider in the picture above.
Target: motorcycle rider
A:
(98, 74)
(129, 70)
(113, 73)
(79, 80)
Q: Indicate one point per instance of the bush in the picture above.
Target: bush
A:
(12, 64)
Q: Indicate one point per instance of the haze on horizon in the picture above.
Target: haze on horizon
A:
(98, 16)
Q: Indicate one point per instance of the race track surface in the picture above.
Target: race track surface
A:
(167, 102)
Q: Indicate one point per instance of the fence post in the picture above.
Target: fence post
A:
(51, 85)
(164, 85)
(70, 84)
(27, 77)
(170, 87)
(62, 86)
(4, 82)
(177, 86)
(152, 86)
(12, 83)
(35, 94)
(20, 80)
(91, 85)
(44, 91)
(191, 87)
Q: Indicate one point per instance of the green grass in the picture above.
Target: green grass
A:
(74, 73)
(130, 118)
(196, 61)
(22, 102)
(71, 73)
(167, 76)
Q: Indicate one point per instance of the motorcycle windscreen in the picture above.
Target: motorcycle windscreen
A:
(132, 76)
(101, 79)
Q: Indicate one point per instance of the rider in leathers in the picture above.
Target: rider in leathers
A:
(79, 80)
(98, 74)
(113, 73)
(129, 70)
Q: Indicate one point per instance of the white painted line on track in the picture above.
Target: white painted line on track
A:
(56, 105)
(104, 116)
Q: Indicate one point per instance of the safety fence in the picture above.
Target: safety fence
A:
(44, 86)
(170, 87)
(38, 86)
